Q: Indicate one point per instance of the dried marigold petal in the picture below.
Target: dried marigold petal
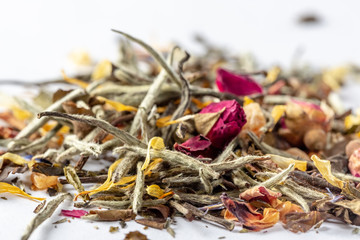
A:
(156, 143)
(7, 188)
(102, 70)
(75, 81)
(118, 106)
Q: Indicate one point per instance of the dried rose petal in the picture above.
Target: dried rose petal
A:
(73, 213)
(262, 194)
(198, 146)
(247, 216)
(228, 125)
(354, 163)
(240, 85)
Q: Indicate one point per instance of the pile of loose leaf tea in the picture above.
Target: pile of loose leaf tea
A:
(207, 137)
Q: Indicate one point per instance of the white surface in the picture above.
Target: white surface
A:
(36, 38)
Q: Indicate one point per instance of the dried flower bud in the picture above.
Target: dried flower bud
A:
(315, 139)
(354, 163)
(351, 147)
(296, 152)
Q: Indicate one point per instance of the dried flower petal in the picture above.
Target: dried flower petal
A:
(102, 70)
(261, 193)
(198, 146)
(247, 216)
(284, 162)
(75, 81)
(354, 163)
(303, 222)
(18, 160)
(7, 188)
(156, 143)
(324, 168)
(41, 181)
(228, 125)
(155, 191)
(240, 85)
(73, 213)
(118, 106)
(255, 119)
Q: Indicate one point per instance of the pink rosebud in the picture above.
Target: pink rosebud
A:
(240, 85)
(73, 213)
(354, 163)
(228, 126)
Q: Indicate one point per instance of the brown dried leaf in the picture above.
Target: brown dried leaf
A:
(303, 222)
(111, 215)
(156, 223)
(80, 129)
(136, 235)
(164, 210)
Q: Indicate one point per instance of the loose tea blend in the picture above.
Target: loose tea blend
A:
(212, 139)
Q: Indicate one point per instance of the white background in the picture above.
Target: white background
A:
(36, 38)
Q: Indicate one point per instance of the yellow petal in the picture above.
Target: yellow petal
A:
(5, 187)
(284, 162)
(277, 112)
(154, 191)
(18, 160)
(118, 106)
(109, 183)
(324, 168)
(156, 143)
(102, 70)
(247, 100)
(272, 74)
(165, 121)
(75, 81)
(80, 58)
(106, 185)
(200, 104)
(20, 114)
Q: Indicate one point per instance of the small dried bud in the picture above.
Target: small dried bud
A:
(315, 139)
(354, 163)
(351, 147)
(298, 153)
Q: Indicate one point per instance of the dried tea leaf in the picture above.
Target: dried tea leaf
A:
(303, 222)
(158, 224)
(39, 207)
(164, 210)
(136, 235)
(63, 220)
(353, 205)
(7, 188)
(113, 229)
(110, 215)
